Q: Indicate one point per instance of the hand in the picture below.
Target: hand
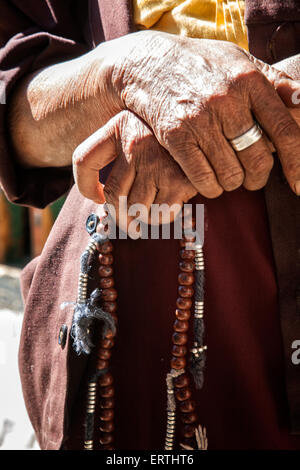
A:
(196, 95)
(143, 171)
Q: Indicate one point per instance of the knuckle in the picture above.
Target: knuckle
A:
(231, 178)
(284, 129)
(260, 164)
(111, 188)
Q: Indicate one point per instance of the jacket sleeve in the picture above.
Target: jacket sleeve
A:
(32, 35)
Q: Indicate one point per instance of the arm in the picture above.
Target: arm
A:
(60, 106)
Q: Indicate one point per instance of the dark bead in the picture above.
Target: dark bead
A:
(183, 314)
(105, 380)
(183, 394)
(187, 406)
(107, 392)
(106, 259)
(109, 294)
(107, 343)
(109, 307)
(107, 403)
(184, 304)
(178, 363)
(109, 335)
(105, 248)
(105, 271)
(186, 279)
(104, 354)
(187, 254)
(106, 438)
(181, 326)
(188, 430)
(102, 364)
(179, 351)
(106, 282)
(187, 266)
(107, 414)
(181, 381)
(107, 426)
(189, 418)
(185, 291)
(179, 338)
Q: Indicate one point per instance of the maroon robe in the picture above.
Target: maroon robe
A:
(251, 395)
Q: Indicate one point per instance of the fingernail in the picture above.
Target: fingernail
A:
(297, 188)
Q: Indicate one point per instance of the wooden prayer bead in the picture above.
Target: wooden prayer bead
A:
(109, 294)
(109, 307)
(107, 343)
(105, 271)
(107, 403)
(105, 379)
(106, 438)
(184, 304)
(179, 338)
(178, 363)
(186, 279)
(107, 392)
(107, 426)
(187, 254)
(181, 326)
(185, 291)
(187, 406)
(106, 282)
(181, 381)
(183, 394)
(105, 248)
(188, 418)
(107, 414)
(102, 364)
(107, 260)
(188, 430)
(104, 354)
(187, 266)
(179, 351)
(183, 314)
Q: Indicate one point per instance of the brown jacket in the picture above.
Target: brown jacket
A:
(34, 35)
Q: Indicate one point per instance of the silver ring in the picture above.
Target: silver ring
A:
(247, 139)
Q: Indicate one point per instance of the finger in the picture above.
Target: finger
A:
(117, 189)
(257, 159)
(142, 194)
(287, 88)
(196, 167)
(281, 129)
(92, 155)
(223, 159)
(258, 162)
(168, 202)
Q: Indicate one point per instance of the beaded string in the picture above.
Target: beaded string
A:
(177, 379)
(100, 385)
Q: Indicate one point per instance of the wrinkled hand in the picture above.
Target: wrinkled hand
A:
(143, 171)
(196, 95)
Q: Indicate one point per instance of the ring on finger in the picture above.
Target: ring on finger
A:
(246, 139)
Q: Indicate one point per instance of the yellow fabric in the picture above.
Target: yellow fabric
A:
(210, 19)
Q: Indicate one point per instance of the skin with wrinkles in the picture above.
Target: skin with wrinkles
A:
(193, 96)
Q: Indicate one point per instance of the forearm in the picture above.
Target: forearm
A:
(56, 108)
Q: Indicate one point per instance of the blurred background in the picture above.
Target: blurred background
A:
(23, 232)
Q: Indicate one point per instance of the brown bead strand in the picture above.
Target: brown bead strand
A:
(183, 392)
(105, 381)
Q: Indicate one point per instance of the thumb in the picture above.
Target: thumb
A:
(287, 88)
(93, 154)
